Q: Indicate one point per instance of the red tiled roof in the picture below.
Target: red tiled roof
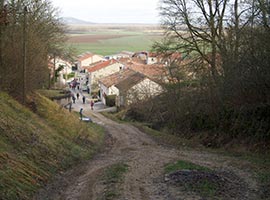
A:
(92, 65)
(129, 82)
(152, 54)
(102, 65)
(132, 60)
(125, 60)
(85, 56)
(176, 55)
(116, 77)
(152, 71)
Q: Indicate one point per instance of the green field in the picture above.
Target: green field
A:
(111, 46)
(116, 39)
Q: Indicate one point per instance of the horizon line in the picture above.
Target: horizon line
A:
(86, 22)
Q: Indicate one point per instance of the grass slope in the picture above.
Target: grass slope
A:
(35, 146)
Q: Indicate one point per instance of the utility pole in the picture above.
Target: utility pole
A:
(2, 23)
(24, 56)
(54, 68)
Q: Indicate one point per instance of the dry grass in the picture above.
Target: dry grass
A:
(33, 147)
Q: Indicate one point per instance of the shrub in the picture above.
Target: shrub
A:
(110, 100)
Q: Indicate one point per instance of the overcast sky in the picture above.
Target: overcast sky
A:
(110, 11)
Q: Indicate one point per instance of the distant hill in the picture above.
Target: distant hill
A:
(74, 21)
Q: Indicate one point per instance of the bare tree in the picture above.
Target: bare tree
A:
(32, 33)
(225, 44)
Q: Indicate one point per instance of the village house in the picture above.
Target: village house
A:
(101, 70)
(107, 84)
(55, 64)
(156, 72)
(67, 66)
(122, 54)
(152, 58)
(140, 55)
(129, 87)
(136, 88)
(170, 58)
(87, 59)
(161, 58)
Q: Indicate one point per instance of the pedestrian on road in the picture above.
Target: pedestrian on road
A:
(78, 95)
(83, 99)
(81, 115)
(70, 105)
(73, 98)
(92, 104)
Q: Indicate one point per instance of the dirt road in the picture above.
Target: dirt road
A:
(145, 176)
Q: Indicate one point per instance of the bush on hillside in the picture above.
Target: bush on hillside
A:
(110, 100)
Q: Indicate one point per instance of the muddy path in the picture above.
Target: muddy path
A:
(145, 176)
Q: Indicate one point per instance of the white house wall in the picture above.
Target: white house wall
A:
(89, 61)
(151, 60)
(107, 91)
(106, 71)
(103, 90)
(67, 66)
(113, 90)
(143, 90)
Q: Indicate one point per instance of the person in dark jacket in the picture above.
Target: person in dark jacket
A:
(81, 115)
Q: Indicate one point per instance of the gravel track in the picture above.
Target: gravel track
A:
(145, 177)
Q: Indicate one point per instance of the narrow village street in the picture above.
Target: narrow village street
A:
(145, 159)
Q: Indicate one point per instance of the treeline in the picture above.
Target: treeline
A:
(222, 83)
(30, 34)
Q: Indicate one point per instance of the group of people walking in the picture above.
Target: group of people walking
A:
(76, 93)
(83, 100)
(78, 96)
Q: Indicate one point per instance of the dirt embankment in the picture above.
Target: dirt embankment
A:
(145, 176)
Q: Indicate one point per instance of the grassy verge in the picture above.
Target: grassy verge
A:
(112, 178)
(113, 116)
(184, 165)
(161, 137)
(52, 94)
(204, 187)
(36, 146)
(166, 138)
